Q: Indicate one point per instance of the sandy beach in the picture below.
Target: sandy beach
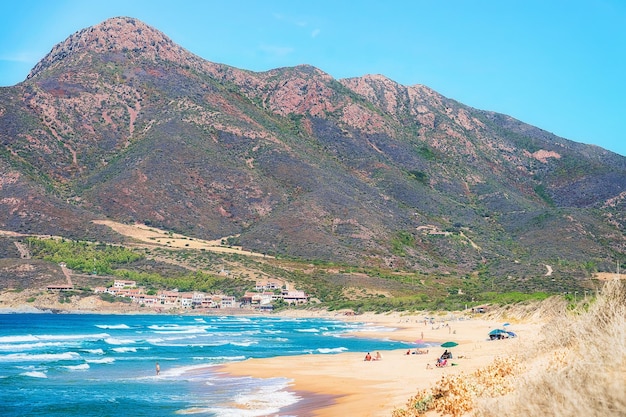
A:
(346, 385)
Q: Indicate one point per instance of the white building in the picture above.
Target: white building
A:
(120, 283)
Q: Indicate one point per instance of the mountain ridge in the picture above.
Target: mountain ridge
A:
(120, 122)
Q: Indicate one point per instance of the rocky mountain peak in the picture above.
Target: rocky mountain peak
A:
(115, 35)
(124, 124)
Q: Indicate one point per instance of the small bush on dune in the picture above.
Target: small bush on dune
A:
(456, 395)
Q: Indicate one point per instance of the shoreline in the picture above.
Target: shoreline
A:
(375, 389)
(340, 384)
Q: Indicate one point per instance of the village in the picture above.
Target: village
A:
(266, 294)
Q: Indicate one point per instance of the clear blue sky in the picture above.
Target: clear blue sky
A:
(556, 64)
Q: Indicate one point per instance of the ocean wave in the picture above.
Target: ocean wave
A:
(47, 337)
(94, 351)
(332, 350)
(259, 401)
(236, 319)
(270, 406)
(185, 372)
(244, 344)
(30, 346)
(335, 334)
(101, 360)
(116, 341)
(43, 357)
(113, 326)
(81, 367)
(124, 350)
(178, 329)
(18, 339)
(272, 331)
(197, 330)
(377, 329)
(35, 374)
(81, 337)
(161, 340)
(220, 358)
(313, 330)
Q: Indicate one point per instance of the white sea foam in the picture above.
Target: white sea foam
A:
(332, 350)
(89, 337)
(377, 329)
(245, 344)
(335, 334)
(177, 329)
(43, 357)
(46, 337)
(116, 341)
(196, 330)
(124, 349)
(35, 374)
(81, 367)
(272, 331)
(185, 371)
(308, 330)
(241, 319)
(260, 401)
(219, 358)
(113, 326)
(18, 339)
(94, 351)
(161, 340)
(30, 346)
(102, 360)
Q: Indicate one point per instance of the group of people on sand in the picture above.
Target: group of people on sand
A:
(377, 357)
(417, 352)
(443, 359)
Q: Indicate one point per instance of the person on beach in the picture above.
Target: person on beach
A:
(158, 369)
(368, 357)
(378, 357)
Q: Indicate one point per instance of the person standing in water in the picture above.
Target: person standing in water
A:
(158, 369)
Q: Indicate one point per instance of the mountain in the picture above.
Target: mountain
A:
(119, 122)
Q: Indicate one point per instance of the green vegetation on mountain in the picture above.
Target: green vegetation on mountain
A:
(118, 122)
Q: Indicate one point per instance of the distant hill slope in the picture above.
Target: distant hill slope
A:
(119, 122)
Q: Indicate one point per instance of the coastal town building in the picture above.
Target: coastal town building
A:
(119, 283)
(267, 293)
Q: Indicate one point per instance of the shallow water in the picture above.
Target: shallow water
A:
(104, 365)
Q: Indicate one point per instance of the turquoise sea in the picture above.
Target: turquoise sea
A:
(105, 365)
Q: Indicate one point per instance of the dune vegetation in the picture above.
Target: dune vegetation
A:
(578, 367)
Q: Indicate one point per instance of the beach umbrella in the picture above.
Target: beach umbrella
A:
(506, 324)
(449, 344)
(497, 332)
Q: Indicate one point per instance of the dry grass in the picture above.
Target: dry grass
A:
(154, 237)
(578, 368)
